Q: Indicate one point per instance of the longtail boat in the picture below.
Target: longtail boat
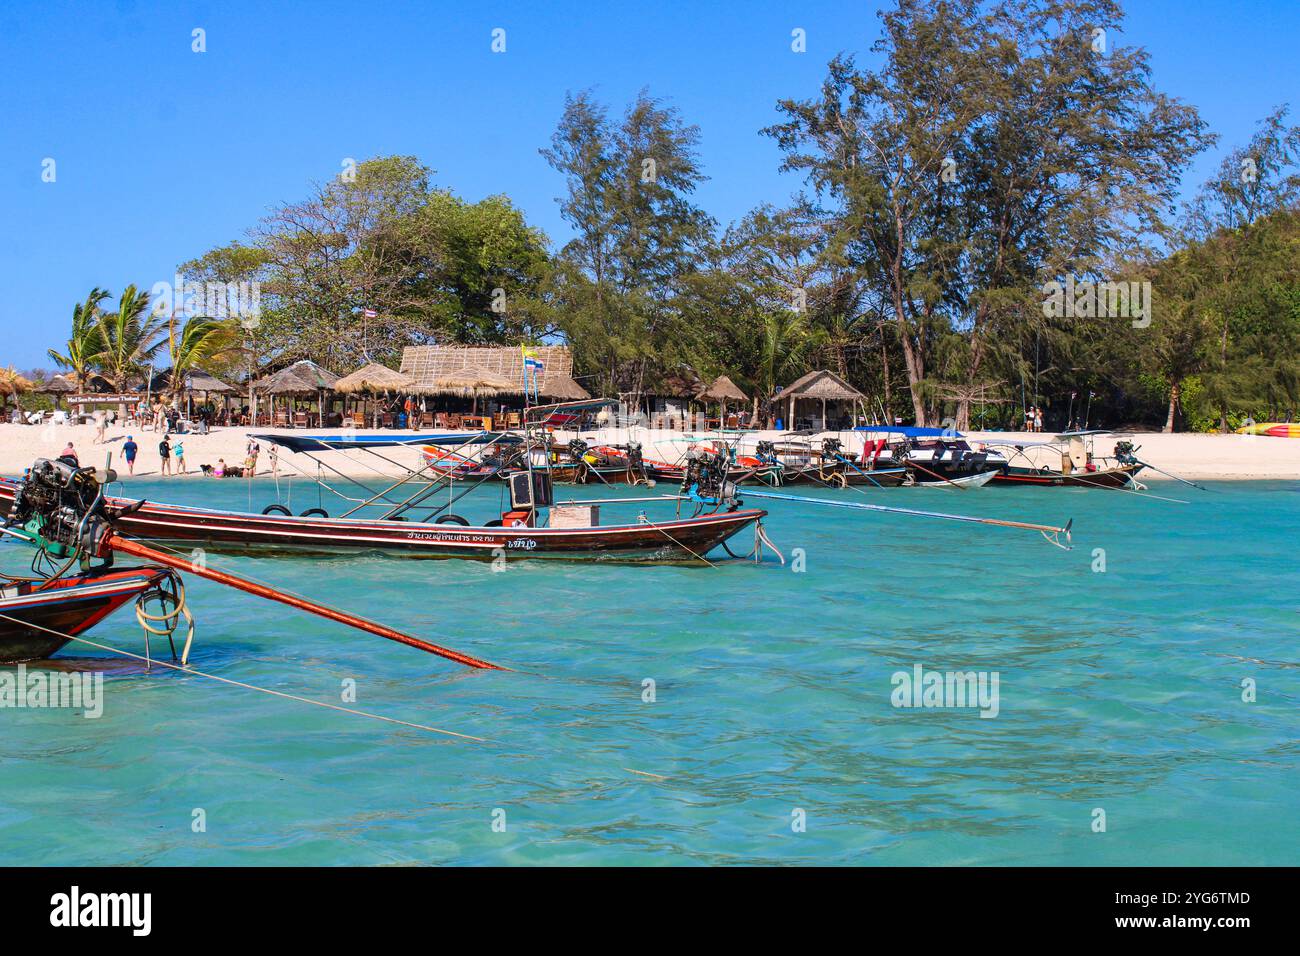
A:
(60, 509)
(236, 532)
(1069, 461)
(38, 617)
(572, 464)
(825, 465)
(410, 518)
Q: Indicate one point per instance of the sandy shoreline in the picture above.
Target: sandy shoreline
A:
(1203, 457)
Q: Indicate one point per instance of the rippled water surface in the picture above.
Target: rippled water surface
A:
(1119, 690)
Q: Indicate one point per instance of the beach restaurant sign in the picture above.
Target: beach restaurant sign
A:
(100, 398)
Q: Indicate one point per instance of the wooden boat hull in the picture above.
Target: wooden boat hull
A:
(675, 474)
(1105, 478)
(684, 539)
(70, 605)
(838, 476)
(944, 474)
(977, 480)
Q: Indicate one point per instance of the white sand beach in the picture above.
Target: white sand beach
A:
(1203, 457)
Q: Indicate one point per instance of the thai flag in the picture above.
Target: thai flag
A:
(371, 314)
(534, 364)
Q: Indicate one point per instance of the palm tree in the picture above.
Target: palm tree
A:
(79, 353)
(202, 339)
(788, 340)
(130, 339)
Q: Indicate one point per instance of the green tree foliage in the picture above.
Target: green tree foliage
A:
(639, 241)
(433, 266)
(129, 338)
(994, 147)
(990, 147)
(79, 355)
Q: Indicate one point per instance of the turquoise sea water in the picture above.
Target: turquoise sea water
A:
(1119, 690)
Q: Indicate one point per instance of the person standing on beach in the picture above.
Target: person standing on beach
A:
(254, 449)
(273, 455)
(179, 451)
(165, 454)
(101, 424)
(129, 452)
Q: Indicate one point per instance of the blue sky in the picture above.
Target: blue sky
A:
(163, 153)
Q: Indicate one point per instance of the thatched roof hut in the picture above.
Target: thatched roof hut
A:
(200, 381)
(56, 385)
(14, 383)
(300, 378)
(823, 386)
(196, 380)
(467, 381)
(723, 389)
(681, 381)
(562, 388)
(432, 364)
(374, 379)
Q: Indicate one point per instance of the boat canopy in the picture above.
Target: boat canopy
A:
(910, 431)
(306, 443)
(1083, 433)
(537, 413)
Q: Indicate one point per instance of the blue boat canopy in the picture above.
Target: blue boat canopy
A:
(911, 431)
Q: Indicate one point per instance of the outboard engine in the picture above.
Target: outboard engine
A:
(1125, 453)
(705, 477)
(832, 448)
(62, 507)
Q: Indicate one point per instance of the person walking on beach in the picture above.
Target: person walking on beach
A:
(101, 424)
(179, 451)
(273, 455)
(165, 454)
(129, 451)
(254, 449)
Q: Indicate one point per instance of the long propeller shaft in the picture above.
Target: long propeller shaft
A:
(862, 506)
(127, 546)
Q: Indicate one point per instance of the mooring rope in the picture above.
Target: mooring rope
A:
(244, 684)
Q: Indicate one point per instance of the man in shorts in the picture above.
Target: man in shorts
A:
(129, 451)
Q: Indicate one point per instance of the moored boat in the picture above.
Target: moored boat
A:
(1069, 461)
(825, 465)
(230, 531)
(39, 617)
